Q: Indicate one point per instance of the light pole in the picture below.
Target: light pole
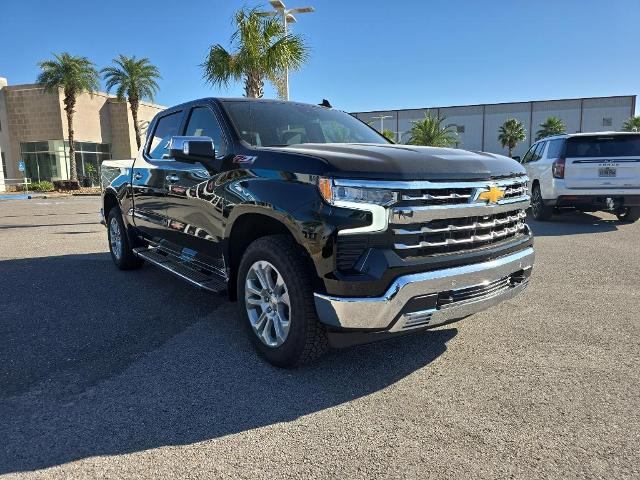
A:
(287, 18)
(381, 118)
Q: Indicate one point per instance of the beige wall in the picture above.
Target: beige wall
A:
(35, 115)
(5, 149)
(91, 122)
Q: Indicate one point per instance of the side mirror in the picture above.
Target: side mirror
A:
(517, 158)
(192, 149)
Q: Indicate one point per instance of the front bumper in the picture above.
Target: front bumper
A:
(431, 298)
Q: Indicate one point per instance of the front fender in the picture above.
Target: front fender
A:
(297, 205)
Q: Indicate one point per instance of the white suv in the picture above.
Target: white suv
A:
(586, 172)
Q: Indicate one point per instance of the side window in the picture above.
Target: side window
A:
(555, 146)
(203, 123)
(537, 153)
(166, 128)
(529, 154)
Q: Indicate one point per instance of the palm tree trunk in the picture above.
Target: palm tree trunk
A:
(253, 85)
(510, 151)
(134, 103)
(69, 105)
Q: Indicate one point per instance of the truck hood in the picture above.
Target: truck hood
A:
(407, 162)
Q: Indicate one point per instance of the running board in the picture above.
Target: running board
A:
(185, 269)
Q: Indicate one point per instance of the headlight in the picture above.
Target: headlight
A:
(338, 193)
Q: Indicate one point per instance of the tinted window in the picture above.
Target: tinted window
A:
(166, 128)
(537, 154)
(604, 146)
(280, 124)
(555, 146)
(203, 123)
(529, 154)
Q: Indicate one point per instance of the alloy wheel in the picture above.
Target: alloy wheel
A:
(267, 303)
(115, 238)
(536, 202)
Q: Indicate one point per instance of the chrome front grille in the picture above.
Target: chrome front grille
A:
(431, 218)
(450, 217)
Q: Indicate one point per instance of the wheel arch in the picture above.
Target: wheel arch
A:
(246, 226)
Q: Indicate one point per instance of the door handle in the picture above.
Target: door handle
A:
(137, 176)
(172, 178)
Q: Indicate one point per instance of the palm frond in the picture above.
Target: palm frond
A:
(430, 131)
(259, 50)
(132, 77)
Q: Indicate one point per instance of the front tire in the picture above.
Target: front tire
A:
(540, 211)
(628, 214)
(275, 296)
(121, 251)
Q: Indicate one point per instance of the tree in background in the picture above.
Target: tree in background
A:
(430, 131)
(134, 79)
(262, 51)
(510, 133)
(389, 135)
(551, 126)
(74, 75)
(632, 125)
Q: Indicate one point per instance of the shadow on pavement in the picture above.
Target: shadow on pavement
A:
(94, 361)
(572, 223)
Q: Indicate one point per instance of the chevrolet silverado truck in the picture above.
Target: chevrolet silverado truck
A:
(323, 231)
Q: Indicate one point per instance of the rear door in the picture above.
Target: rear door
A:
(149, 178)
(603, 161)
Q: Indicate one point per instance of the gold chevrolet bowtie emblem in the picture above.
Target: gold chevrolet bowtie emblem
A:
(492, 195)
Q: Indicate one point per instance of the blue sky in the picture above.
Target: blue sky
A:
(366, 55)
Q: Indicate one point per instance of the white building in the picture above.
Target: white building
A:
(477, 125)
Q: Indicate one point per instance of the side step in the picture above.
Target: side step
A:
(186, 270)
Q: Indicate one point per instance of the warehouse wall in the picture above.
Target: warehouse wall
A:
(477, 125)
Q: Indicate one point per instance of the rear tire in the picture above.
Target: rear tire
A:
(628, 214)
(121, 251)
(286, 333)
(540, 211)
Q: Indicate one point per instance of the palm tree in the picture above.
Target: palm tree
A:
(510, 133)
(551, 126)
(75, 75)
(430, 131)
(134, 79)
(262, 51)
(632, 125)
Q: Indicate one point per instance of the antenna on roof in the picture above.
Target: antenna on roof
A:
(325, 103)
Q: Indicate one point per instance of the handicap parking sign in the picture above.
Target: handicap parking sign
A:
(21, 166)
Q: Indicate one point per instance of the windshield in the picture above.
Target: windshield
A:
(269, 124)
(604, 146)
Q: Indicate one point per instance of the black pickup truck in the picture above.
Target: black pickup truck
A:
(323, 231)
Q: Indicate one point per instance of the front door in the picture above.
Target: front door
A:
(195, 198)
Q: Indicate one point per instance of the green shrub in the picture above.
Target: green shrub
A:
(42, 186)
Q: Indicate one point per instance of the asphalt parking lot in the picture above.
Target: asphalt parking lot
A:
(134, 374)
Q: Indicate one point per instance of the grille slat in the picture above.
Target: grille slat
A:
(460, 232)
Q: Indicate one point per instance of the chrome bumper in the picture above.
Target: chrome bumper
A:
(479, 286)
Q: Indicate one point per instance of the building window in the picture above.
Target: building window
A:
(459, 128)
(4, 165)
(607, 122)
(49, 160)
